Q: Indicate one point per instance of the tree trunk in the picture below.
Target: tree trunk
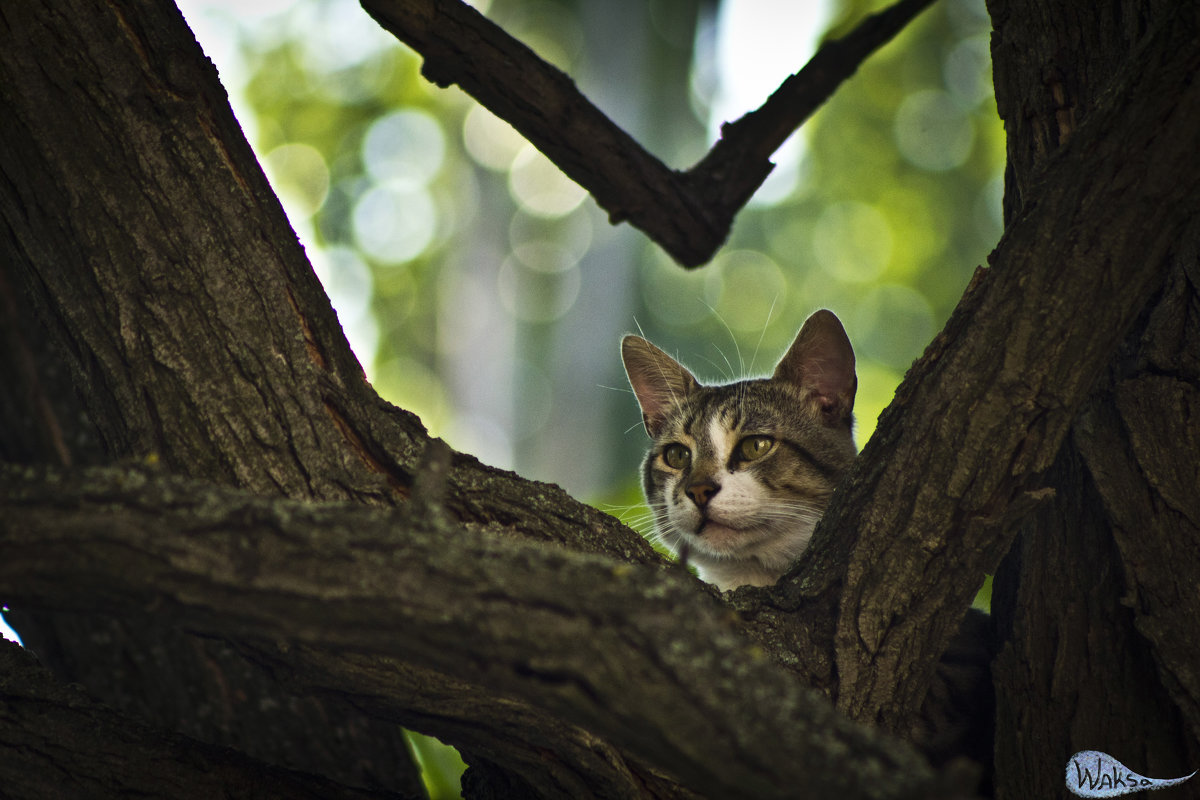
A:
(288, 565)
(1095, 599)
(160, 250)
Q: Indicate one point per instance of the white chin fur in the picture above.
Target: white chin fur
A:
(731, 574)
(730, 558)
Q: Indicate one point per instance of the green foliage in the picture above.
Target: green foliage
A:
(441, 766)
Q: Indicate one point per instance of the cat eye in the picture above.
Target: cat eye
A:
(677, 456)
(755, 447)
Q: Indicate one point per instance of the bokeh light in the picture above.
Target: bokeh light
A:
(404, 149)
(853, 242)
(534, 294)
(491, 141)
(933, 131)
(299, 177)
(393, 225)
(540, 187)
(967, 71)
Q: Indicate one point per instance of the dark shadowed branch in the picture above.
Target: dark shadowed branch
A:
(630, 652)
(58, 742)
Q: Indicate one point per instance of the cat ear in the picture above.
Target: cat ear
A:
(659, 381)
(821, 364)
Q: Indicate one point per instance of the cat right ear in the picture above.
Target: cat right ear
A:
(660, 382)
(821, 364)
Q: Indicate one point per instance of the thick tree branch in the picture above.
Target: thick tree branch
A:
(56, 742)
(688, 213)
(1141, 443)
(1091, 598)
(985, 410)
(179, 317)
(629, 652)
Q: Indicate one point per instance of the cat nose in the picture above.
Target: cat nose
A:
(702, 491)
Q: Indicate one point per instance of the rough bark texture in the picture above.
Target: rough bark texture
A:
(986, 409)
(1095, 600)
(147, 267)
(56, 742)
(161, 201)
(197, 338)
(165, 287)
(548, 626)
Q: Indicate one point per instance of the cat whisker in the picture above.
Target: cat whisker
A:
(732, 374)
(611, 508)
(631, 515)
(741, 363)
(762, 335)
(785, 505)
(621, 389)
(785, 516)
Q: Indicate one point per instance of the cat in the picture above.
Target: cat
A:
(738, 475)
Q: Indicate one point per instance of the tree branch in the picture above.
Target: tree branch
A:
(97, 752)
(632, 653)
(739, 162)
(688, 213)
(1140, 442)
(985, 410)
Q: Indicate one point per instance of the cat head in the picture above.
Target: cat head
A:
(738, 475)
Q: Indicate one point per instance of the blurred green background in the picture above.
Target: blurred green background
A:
(487, 293)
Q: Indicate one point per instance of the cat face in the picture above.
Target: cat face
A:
(738, 475)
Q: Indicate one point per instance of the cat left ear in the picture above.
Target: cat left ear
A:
(659, 381)
(821, 364)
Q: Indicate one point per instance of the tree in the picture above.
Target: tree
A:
(211, 517)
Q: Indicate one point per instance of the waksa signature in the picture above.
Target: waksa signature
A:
(1091, 773)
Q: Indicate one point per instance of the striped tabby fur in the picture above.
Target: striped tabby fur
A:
(738, 475)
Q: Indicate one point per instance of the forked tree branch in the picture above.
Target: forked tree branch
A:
(739, 162)
(689, 213)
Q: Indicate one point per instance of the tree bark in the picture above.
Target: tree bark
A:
(59, 743)
(982, 415)
(106, 234)
(614, 647)
(1095, 597)
(148, 266)
(178, 268)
